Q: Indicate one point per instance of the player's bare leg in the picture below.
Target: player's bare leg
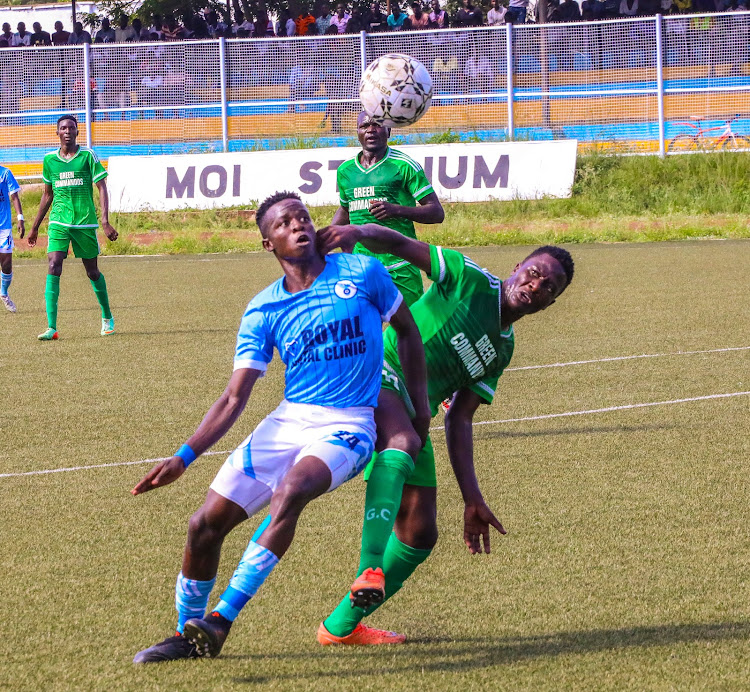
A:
(305, 481)
(6, 268)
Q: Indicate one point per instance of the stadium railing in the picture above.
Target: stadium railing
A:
(618, 85)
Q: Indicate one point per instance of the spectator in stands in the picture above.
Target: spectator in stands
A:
(244, 23)
(357, 22)
(21, 37)
(438, 16)
(60, 37)
(141, 34)
(304, 21)
(124, 32)
(341, 18)
(156, 26)
(496, 15)
(396, 18)
(419, 19)
(517, 11)
(79, 35)
(216, 27)
(7, 34)
(172, 31)
(468, 15)
(324, 20)
(263, 25)
(569, 11)
(376, 20)
(286, 26)
(199, 27)
(39, 37)
(304, 82)
(106, 34)
(629, 8)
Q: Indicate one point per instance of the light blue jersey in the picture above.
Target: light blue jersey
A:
(8, 186)
(328, 336)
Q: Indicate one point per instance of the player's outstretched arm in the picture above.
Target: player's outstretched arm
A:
(411, 357)
(216, 423)
(107, 227)
(458, 434)
(44, 204)
(376, 238)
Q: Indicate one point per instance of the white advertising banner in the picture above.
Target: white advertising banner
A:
(459, 173)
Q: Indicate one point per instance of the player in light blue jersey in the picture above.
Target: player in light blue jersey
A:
(324, 317)
(9, 189)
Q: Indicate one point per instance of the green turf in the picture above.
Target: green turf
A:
(626, 564)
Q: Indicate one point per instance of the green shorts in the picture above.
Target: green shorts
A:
(408, 280)
(424, 465)
(84, 241)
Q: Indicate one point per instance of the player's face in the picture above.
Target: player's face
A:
(67, 131)
(289, 230)
(534, 284)
(371, 135)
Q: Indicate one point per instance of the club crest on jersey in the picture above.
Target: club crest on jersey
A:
(345, 289)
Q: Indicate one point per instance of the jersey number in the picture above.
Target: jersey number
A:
(348, 438)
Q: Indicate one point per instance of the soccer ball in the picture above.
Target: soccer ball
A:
(395, 90)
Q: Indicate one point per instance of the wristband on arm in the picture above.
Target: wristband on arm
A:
(187, 454)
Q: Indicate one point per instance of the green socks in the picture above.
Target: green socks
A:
(385, 484)
(400, 561)
(51, 294)
(100, 291)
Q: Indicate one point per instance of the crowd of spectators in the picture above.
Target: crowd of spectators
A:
(346, 19)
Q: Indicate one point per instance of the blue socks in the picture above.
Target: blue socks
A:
(191, 598)
(255, 566)
(5, 280)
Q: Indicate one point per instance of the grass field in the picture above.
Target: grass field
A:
(615, 199)
(627, 562)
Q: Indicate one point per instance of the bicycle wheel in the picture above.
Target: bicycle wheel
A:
(736, 143)
(683, 143)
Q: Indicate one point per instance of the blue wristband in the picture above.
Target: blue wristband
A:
(187, 454)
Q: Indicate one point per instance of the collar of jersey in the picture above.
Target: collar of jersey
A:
(328, 261)
(375, 165)
(57, 153)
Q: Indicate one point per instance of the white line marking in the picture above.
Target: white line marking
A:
(96, 466)
(434, 428)
(606, 410)
(615, 358)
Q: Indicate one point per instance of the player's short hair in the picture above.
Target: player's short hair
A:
(561, 255)
(268, 202)
(67, 117)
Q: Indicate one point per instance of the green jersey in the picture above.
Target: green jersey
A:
(71, 181)
(459, 319)
(396, 178)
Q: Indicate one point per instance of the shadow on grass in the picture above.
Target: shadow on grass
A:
(489, 435)
(446, 655)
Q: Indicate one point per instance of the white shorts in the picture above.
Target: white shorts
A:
(6, 241)
(343, 438)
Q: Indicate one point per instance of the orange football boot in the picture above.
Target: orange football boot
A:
(362, 636)
(368, 588)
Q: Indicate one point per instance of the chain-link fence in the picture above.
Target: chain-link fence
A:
(625, 85)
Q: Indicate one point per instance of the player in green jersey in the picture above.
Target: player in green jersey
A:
(68, 174)
(384, 185)
(466, 321)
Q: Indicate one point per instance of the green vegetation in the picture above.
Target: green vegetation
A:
(625, 566)
(615, 198)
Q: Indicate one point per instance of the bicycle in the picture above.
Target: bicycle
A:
(728, 140)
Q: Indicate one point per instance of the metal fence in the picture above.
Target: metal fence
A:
(626, 85)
